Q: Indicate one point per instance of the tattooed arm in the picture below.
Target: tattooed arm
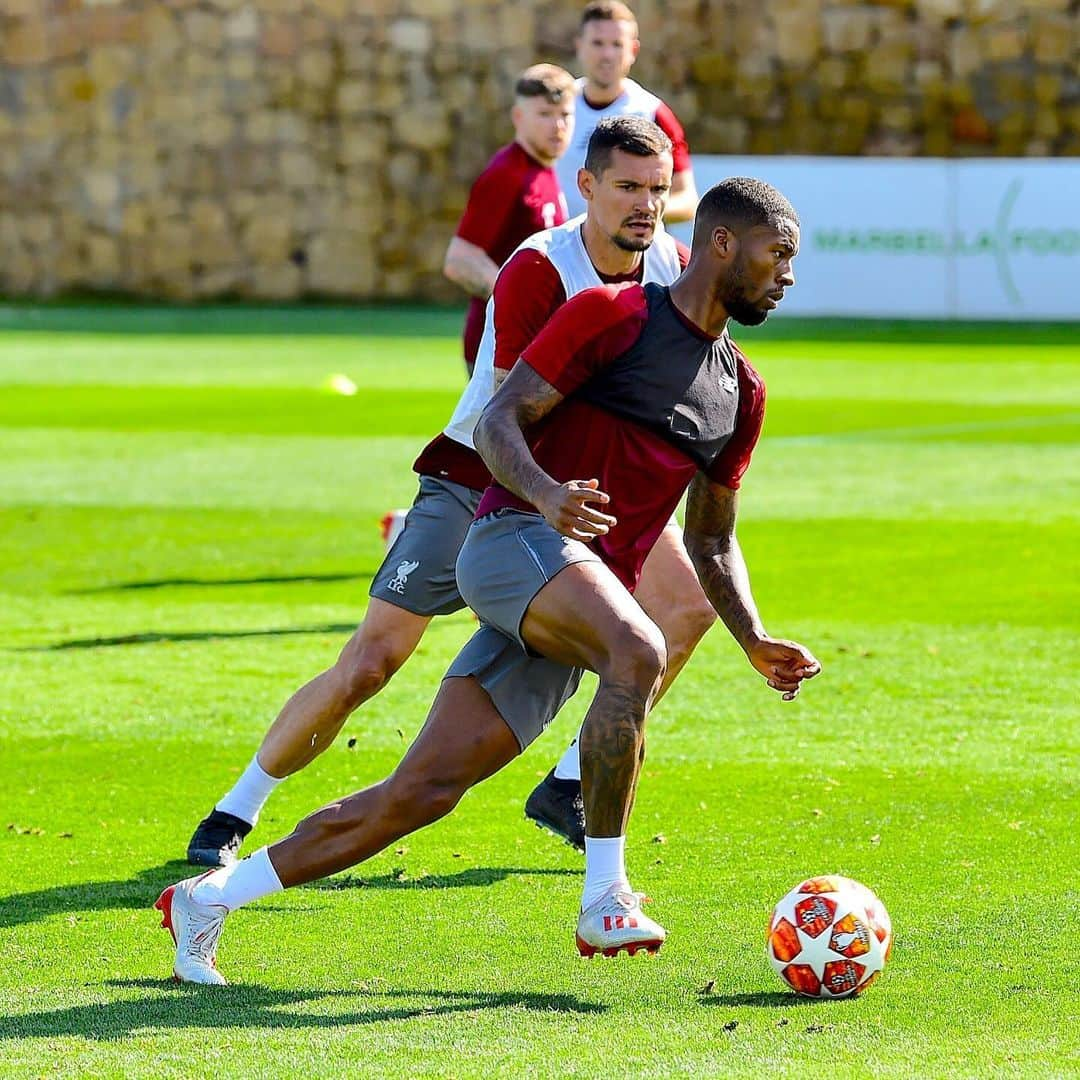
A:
(470, 267)
(714, 550)
(524, 398)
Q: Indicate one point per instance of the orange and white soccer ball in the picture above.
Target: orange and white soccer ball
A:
(829, 937)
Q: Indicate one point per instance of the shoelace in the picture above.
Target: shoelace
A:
(631, 900)
(206, 927)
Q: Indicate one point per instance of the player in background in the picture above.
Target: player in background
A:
(516, 195)
(607, 46)
(630, 395)
(616, 240)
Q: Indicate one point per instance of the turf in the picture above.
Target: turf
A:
(188, 522)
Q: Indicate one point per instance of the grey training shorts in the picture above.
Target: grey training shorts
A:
(506, 559)
(526, 690)
(418, 571)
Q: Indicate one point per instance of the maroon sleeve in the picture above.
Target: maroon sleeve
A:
(734, 459)
(668, 123)
(587, 332)
(528, 291)
(684, 253)
(491, 203)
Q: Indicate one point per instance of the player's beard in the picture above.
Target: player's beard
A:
(633, 243)
(606, 78)
(735, 301)
(540, 153)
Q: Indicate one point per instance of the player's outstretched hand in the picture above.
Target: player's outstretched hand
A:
(785, 664)
(566, 509)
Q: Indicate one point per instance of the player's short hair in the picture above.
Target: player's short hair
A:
(740, 202)
(548, 81)
(608, 10)
(631, 134)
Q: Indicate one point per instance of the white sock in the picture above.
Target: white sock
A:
(249, 794)
(605, 865)
(239, 884)
(569, 767)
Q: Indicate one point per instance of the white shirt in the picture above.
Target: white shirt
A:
(564, 248)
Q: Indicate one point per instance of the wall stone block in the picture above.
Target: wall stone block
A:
(848, 29)
(1054, 38)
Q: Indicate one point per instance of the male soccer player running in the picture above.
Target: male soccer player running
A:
(631, 167)
(628, 396)
(516, 195)
(607, 46)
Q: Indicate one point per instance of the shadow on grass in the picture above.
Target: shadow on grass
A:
(476, 877)
(152, 637)
(139, 891)
(207, 583)
(256, 1007)
(772, 999)
(112, 315)
(90, 314)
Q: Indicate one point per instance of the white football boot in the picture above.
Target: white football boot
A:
(615, 923)
(195, 928)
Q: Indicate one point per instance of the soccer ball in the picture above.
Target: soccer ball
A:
(829, 937)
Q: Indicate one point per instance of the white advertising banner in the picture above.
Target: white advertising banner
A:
(926, 238)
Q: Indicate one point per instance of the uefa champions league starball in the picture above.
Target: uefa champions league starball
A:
(829, 937)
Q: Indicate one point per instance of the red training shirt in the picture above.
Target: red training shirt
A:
(649, 400)
(514, 197)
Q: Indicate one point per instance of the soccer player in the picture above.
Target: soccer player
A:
(629, 395)
(516, 195)
(630, 173)
(607, 46)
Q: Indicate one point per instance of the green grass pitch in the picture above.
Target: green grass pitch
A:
(188, 523)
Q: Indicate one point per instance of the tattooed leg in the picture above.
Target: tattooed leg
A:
(585, 617)
(611, 748)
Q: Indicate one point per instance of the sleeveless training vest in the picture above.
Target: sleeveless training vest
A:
(564, 248)
(690, 400)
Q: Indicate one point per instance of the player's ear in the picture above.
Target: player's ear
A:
(635, 47)
(586, 184)
(516, 114)
(724, 242)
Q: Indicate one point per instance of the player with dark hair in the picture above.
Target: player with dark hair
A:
(516, 195)
(607, 46)
(624, 158)
(619, 239)
(628, 396)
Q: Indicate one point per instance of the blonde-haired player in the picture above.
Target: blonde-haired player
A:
(516, 195)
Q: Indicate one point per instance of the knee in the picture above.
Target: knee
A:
(639, 659)
(363, 669)
(423, 799)
(691, 623)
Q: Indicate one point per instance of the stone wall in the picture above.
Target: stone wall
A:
(283, 148)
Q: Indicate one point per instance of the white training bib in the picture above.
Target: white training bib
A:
(564, 248)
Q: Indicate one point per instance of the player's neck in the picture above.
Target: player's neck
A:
(535, 154)
(607, 258)
(600, 97)
(694, 296)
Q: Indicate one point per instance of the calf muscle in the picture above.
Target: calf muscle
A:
(612, 748)
(463, 741)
